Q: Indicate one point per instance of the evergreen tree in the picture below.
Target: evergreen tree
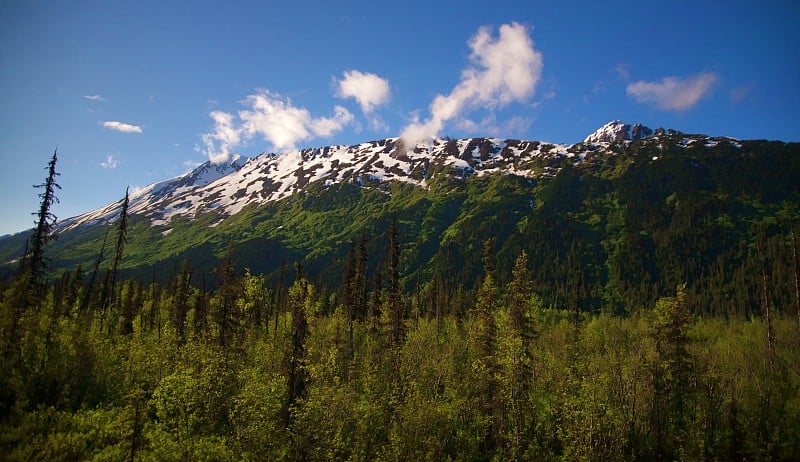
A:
(346, 286)
(225, 314)
(766, 300)
(515, 361)
(299, 298)
(122, 239)
(796, 270)
(394, 296)
(90, 289)
(201, 310)
(359, 282)
(128, 308)
(180, 301)
(34, 261)
(484, 312)
(280, 295)
(73, 290)
(518, 298)
(376, 301)
(346, 290)
(483, 339)
(672, 383)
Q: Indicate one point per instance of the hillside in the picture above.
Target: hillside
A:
(625, 220)
(496, 300)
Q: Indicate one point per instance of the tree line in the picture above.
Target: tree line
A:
(97, 366)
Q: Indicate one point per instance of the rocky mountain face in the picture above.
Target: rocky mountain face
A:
(226, 189)
(619, 131)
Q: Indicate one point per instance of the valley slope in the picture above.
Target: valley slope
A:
(610, 223)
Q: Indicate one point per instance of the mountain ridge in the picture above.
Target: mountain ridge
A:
(228, 188)
(617, 130)
(669, 209)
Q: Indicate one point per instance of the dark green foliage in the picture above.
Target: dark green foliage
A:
(506, 319)
(615, 232)
(224, 309)
(395, 306)
(180, 303)
(662, 384)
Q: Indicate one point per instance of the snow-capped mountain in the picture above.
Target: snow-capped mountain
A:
(226, 189)
(151, 196)
(620, 131)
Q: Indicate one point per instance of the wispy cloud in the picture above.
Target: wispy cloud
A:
(504, 70)
(110, 162)
(122, 127)
(272, 117)
(673, 93)
(738, 94)
(95, 97)
(621, 70)
(491, 127)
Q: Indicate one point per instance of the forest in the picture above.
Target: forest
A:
(231, 364)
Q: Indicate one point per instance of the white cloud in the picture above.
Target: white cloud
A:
(504, 70)
(673, 93)
(224, 137)
(95, 97)
(122, 127)
(110, 162)
(274, 119)
(369, 90)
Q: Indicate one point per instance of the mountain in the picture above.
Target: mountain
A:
(626, 220)
(226, 189)
(620, 131)
(157, 197)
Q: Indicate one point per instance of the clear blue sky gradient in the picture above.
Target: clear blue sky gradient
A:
(165, 66)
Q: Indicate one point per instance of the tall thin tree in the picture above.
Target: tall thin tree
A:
(796, 267)
(35, 260)
(89, 292)
(394, 301)
(122, 239)
(766, 301)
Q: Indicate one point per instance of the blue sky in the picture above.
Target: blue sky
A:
(136, 92)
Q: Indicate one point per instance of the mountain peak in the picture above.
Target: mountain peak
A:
(617, 130)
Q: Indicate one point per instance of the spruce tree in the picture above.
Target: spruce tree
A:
(394, 298)
(180, 302)
(796, 269)
(359, 283)
(35, 260)
(122, 239)
(376, 301)
(90, 290)
(225, 314)
(672, 374)
(127, 309)
(201, 310)
(519, 294)
(297, 379)
(483, 341)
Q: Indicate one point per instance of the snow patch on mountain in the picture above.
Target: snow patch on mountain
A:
(226, 189)
(620, 131)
